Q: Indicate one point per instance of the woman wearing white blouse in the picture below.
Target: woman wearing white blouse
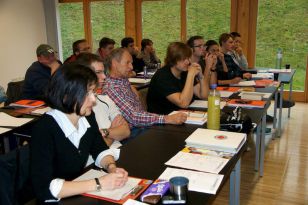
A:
(63, 139)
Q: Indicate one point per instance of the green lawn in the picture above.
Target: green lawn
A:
(281, 23)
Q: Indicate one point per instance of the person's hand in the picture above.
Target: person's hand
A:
(239, 50)
(195, 69)
(114, 180)
(176, 119)
(235, 80)
(220, 56)
(210, 60)
(54, 65)
(117, 121)
(247, 75)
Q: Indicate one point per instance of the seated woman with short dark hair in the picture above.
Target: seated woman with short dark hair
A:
(174, 86)
(64, 137)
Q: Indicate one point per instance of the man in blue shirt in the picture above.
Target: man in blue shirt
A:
(39, 73)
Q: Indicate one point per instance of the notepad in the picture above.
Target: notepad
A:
(117, 195)
(204, 163)
(198, 181)
(193, 117)
(216, 140)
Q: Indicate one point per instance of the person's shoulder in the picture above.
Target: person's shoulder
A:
(45, 122)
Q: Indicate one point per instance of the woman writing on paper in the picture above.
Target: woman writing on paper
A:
(174, 86)
(63, 139)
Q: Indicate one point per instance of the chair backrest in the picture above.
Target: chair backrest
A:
(14, 91)
(15, 185)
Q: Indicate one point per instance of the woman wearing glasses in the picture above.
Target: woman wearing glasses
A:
(112, 125)
(174, 86)
(64, 137)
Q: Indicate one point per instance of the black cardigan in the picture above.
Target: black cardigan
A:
(54, 156)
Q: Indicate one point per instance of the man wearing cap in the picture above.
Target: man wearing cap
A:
(39, 73)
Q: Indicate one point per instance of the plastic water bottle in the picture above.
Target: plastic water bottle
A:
(145, 72)
(213, 112)
(279, 58)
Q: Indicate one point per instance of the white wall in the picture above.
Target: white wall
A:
(22, 29)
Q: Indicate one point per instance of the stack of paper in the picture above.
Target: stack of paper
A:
(4, 130)
(193, 117)
(216, 140)
(138, 80)
(198, 162)
(198, 181)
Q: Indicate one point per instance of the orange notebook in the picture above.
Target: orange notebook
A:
(28, 103)
(230, 89)
(246, 103)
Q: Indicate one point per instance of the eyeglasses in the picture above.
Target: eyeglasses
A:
(200, 46)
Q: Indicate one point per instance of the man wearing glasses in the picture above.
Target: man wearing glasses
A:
(200, 56)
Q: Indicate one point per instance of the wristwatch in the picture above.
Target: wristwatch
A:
(106, 132)
(98, 185)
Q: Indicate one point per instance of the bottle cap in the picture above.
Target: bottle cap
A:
(213, 86)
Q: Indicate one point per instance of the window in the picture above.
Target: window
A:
(161, 23)
(208, 18)
(107, 18)
(71, 23)
(283, 24)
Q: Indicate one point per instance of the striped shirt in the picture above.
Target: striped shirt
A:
(120, 91)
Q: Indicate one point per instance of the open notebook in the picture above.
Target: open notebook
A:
(131, 190)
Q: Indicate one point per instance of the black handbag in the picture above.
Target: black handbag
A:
(237, 121)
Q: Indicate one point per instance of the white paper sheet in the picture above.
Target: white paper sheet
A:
(133, 202)
(263, 75)
(263, 95)
(4, 130)
(245, 83)
(198, 181)
(203, 104)
(9, 121)
(41, 111)
(198, 162)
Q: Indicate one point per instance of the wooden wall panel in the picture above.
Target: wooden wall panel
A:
(306, 82)
(183, 21)
(87, 21)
